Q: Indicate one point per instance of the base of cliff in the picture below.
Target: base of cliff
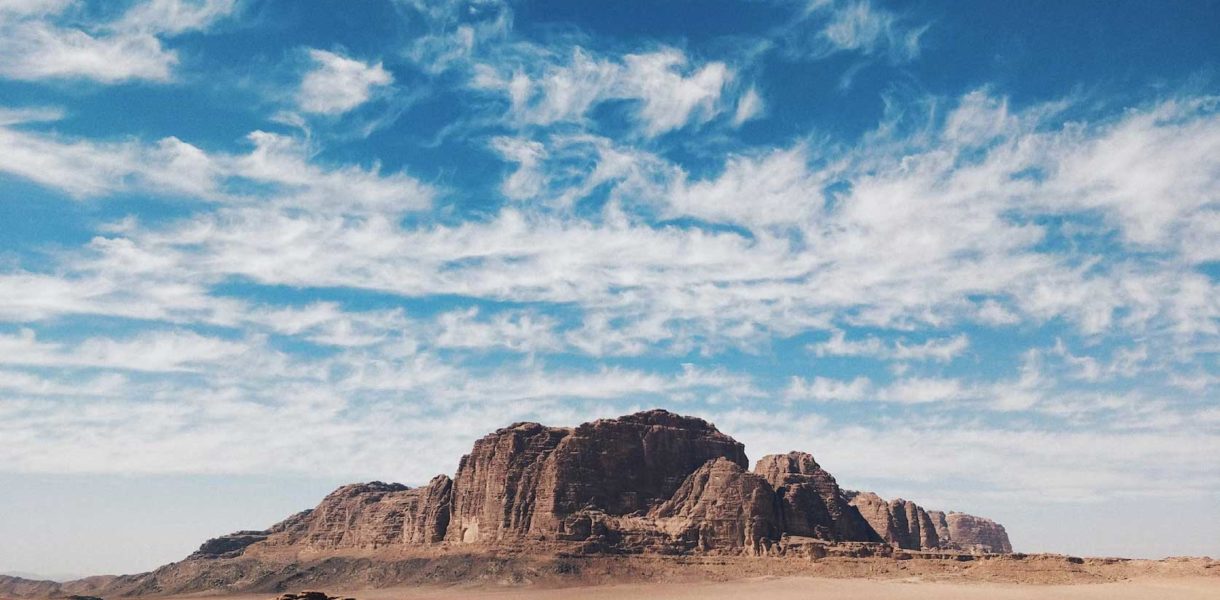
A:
(507, 569)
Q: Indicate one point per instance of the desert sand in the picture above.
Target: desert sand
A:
(793, 588)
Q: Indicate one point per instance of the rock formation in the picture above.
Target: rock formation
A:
(721, 506)
(976, 534)
(362, 515)
(908, 526)
(651, 482)
(523, 481)
(811, 503)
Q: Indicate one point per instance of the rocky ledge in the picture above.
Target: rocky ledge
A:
(650, 482)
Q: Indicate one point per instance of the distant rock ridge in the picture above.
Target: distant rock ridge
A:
(650, 482)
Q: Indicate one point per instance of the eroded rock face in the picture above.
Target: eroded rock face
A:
(899, 522)
(721, 507)
(811, 503)
(652, 482)
(908, 526)
(915, 528)
(497, 483)
(373, 515)
(228, 546)
(522, 482)
(876, 511)
(941, 524)
(976, 534)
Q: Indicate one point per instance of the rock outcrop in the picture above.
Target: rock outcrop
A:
(976, 534)
(370, 515)
(651, 482)
(907, 525)
(722, 507)
(523, 481)
(497, 483)
(811, 503)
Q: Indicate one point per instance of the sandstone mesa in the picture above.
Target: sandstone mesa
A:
(530, 499)
(650, 482)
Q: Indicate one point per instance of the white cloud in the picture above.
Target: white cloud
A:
(1152, 172)
(34, 47)
(669, 95)
(919, 390)
(942, 350)
(518, 331)
(749, 106)
(84, 168)
(338, 84)
(775, 189)
(150, 351)
(173, 17)
(826, 27)
(826, 389)
(36, 50)
(670, 99)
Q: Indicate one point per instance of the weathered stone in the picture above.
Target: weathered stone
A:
(976, 534)
(373, 515)
(914, 525)
(811, 503)
(522, 482)
(876, 511)
(899, 522)
(908, 526)
(721, 507)
(228, 546)
(652, 482)
(496, 484)
(942, 527)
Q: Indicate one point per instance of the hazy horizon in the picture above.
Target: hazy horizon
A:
(966, 254)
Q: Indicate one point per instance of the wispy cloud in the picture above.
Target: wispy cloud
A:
(337, 84)
(33, 46)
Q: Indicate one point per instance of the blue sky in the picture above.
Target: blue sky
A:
(964, 253)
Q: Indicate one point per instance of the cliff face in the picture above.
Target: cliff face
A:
(721, 506)
(649, 482)
(976, 534)
(497, 483)
(521, 482)
(907, 525)
(811, 503)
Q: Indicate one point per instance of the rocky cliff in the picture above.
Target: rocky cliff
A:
(523, 481)
(909, 526)
(651, 482)
(976, 534)
(811, 503)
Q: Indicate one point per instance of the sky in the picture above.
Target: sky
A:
(965, 253)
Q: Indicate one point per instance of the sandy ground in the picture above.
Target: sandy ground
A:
(793, 588)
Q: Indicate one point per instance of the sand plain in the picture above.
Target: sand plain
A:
(800, 588)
